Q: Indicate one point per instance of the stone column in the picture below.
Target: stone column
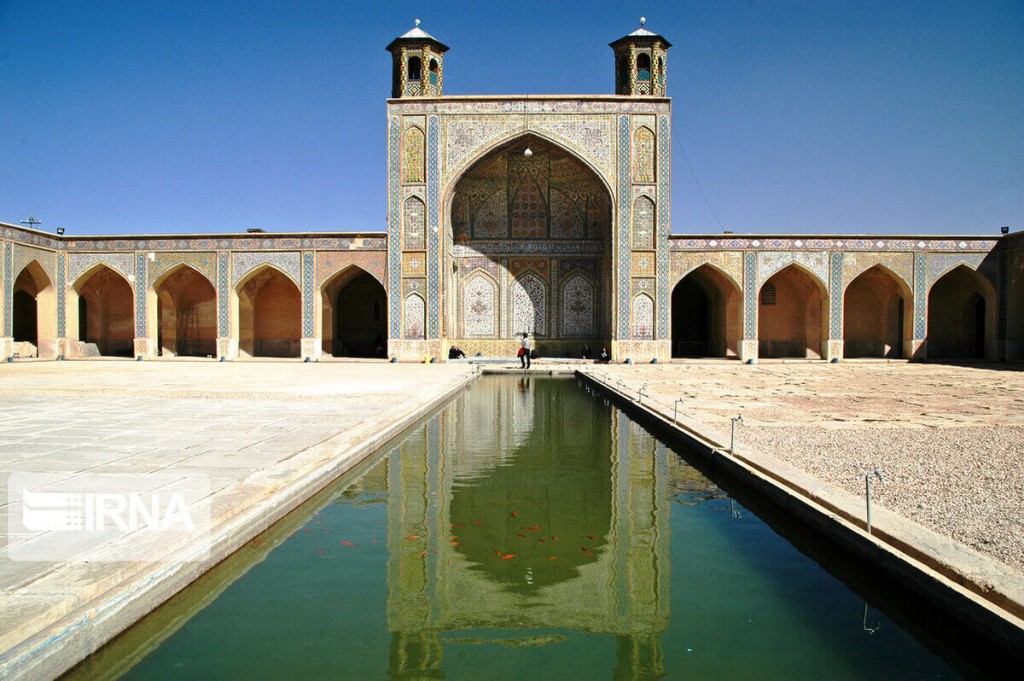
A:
(7, 300)
(145, 347)
(227, 346)
(748, 345)
(62, 288)
(312, 347)
(834, 346)
(916, 348)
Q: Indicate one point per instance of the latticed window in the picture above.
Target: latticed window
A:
(415, 68)
(768, 294)
(643, 66)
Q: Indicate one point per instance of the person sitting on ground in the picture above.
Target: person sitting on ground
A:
(604, 357)
(455, 353)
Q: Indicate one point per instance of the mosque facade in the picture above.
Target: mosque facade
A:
(547, 215)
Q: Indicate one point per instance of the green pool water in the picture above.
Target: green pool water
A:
(529, 530)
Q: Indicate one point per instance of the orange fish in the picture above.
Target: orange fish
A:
(542, 540)
(259, 542)
(591, 537)
(348, 543)
(553, 558)
(453, 537)
(476, 522)
(422, 553)
(514, 514)
(520, 534)
(455, 543)
(413, 537)
(532, 528)
(554, 539)
(510, 555)
(319, 552)
(585, 549)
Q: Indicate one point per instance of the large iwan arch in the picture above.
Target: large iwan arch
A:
(185, 313)
(530, 216)
(101, 313)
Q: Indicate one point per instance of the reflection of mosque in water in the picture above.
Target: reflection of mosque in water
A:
(514, 511)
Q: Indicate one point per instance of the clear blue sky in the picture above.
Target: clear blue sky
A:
(145, 116)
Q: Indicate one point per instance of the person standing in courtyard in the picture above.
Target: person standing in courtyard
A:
(524, 352)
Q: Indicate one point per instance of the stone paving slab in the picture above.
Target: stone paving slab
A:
(265, 435)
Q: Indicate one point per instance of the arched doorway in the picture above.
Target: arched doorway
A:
(961, 316)
(353, 317)
(792, 316)
(534, 220)
(877, 315)
(104, 323)
(705, 315)
(269, 314)
(34, 312)
(186, 314)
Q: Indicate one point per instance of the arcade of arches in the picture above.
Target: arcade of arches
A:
(269, 315)
(353, 324)
(186, 314)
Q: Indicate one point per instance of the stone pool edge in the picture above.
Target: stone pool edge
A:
(132, 591)
(981, 593)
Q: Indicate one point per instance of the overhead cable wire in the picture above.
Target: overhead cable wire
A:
(689, 165)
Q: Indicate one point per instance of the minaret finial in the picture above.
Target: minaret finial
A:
(417, 23)
(643, 20)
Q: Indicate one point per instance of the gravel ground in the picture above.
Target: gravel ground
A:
(948, 440)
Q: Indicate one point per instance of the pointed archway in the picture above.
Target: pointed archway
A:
(186, 314)
(269, 314)
(536, 220)
(877, 315)
(34, 312)
(353, 314)
(101, 313)
(792, 315)
(961, 316)
(705, 315)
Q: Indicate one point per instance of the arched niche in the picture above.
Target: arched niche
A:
(34, 311)
(878, 315)
(353, 314)
(792, 315)
(185, 303)
(100, 308)
(962, 316)
(706, 314)
(269, 314)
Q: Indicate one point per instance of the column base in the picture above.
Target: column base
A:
(312, 349)
(641, 351)
(915, 350)
(145, 348)
(748, 350)
(6, 349)
(227, 349)
(834, 350)
(416, 350)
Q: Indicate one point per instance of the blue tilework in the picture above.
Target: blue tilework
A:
(62, 285)
(750, 295)
(307, 294)
(394, 232)
(664, 224)
(623, 255)
(920, 296)
(140, 295)
(835, 285)
(433, 232)
(8, 288)
(223, 295)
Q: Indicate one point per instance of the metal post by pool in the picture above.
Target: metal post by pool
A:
(732, 433)
(640, 394)
(675, 411)
(867, 487)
